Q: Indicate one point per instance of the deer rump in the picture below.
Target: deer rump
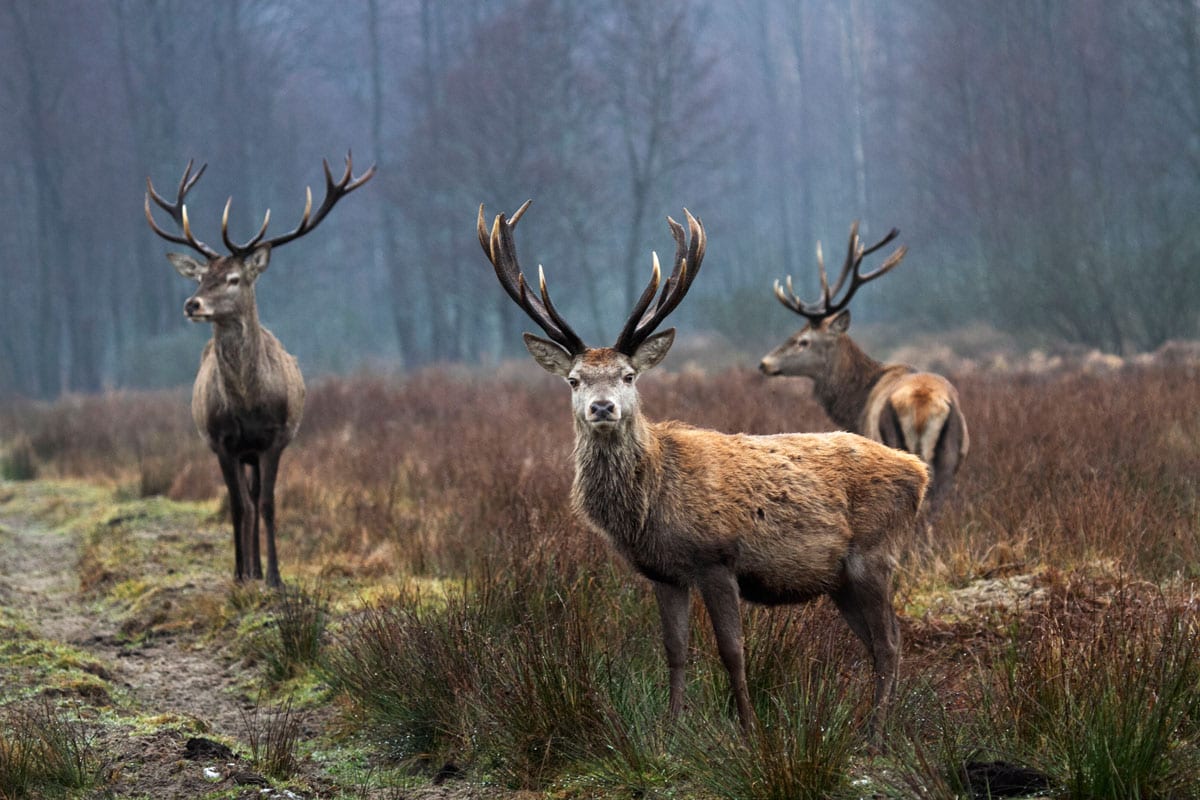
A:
(788, 514)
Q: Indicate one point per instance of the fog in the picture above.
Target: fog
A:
(1041, 160)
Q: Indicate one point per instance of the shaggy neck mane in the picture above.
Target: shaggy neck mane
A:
(238, 347)
(615, 476)
(844, 389)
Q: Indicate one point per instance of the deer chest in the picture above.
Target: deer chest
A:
(245, 431)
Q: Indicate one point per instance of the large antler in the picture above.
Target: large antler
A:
(178, 212)
(501, 250)
(855, 254)
(644, 319)
(334, 191)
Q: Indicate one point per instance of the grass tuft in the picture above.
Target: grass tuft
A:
(294, 637)
(273, 736)
(44, 749)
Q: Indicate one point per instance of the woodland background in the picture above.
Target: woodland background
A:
(1042, 160)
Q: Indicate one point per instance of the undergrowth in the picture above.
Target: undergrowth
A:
(481, 630)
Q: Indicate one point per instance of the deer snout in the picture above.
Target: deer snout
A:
(768, 366)
(194, 309)
(602, 411)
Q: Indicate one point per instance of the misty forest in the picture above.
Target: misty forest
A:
(1041, 160)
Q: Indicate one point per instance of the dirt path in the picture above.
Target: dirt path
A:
(163, 676)
(166, 689)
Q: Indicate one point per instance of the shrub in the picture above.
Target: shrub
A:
(18, 461)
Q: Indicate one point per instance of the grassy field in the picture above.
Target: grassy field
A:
(450, 630)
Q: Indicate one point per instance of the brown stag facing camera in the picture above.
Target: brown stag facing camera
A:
(249, 395)
(890, 403)
(772, 519)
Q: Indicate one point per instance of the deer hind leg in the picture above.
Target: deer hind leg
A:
(720, 592)
(270, 469)
(865, 602)
(945, 462)
(891, 432)
(673, 608)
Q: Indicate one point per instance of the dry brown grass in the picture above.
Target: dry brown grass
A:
(436, 472)
(1078, 501)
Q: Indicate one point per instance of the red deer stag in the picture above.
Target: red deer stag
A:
(890, 403)
(772, 519)
(249, 395)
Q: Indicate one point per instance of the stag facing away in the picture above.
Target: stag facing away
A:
(891, 403)
(771, 519)
(248, 397)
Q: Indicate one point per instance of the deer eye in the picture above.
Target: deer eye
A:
(233, 280)
(573, 381)
(628, 377)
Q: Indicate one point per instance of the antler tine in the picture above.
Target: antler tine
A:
(853, 266)
(178, 211)
(500, 247)
(792, 301)
(854, 256)
(688, 257)
(334, 191)
(637, 315)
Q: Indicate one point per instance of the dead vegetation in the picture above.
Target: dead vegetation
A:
(476, 628)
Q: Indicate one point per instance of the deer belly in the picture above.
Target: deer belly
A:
(755, 589)
(247, 433)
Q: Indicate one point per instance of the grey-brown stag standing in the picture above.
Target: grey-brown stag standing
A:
(772, 519)
(249, 395)
(890, 403)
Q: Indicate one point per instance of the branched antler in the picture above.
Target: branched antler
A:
(178, 211)
(855, 253)
(501, 250)
(646, 316)
(334, 191)
(644, 319)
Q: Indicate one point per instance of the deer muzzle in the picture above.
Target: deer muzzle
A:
(197, 310)
(768, 366)
(603, 413)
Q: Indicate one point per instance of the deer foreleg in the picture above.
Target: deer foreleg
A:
(720, 592)
(252, 536)
(673, 603)
(270, 469)
(231, 471)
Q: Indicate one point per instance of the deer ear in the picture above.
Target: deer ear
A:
(187, 266)
(839, 322)
(550, 356)
(653, 350)
(256, 263)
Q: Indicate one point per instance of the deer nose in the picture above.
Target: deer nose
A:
(191, 306)
(602, 409)
(767, 368)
